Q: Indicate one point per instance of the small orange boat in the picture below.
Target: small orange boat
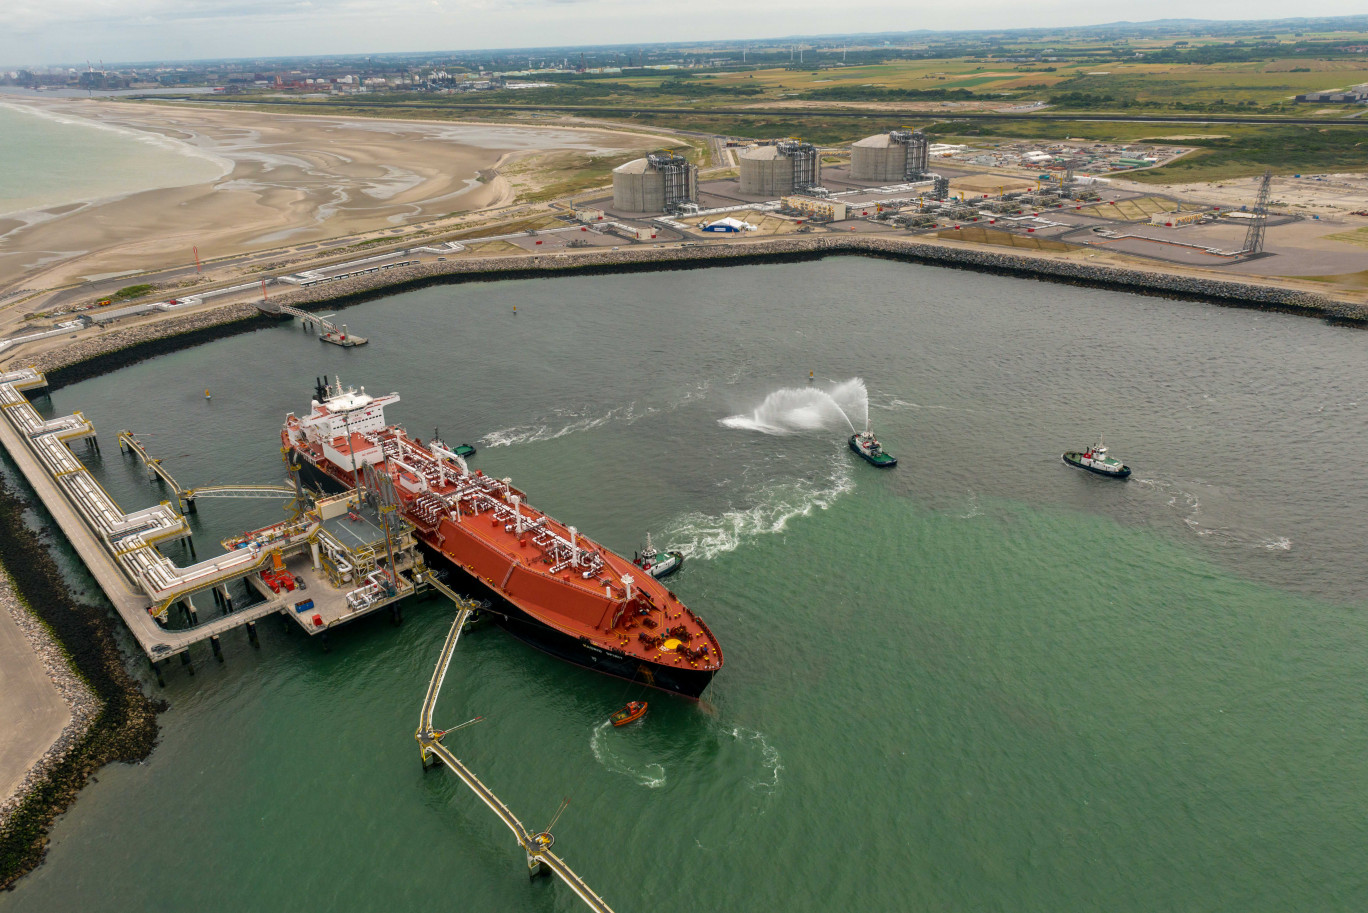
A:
(634, 711)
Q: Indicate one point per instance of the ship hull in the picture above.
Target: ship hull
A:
(687, 682)
(536, 633)
(1077, 463)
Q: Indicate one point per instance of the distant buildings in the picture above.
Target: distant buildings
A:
(1358, 95)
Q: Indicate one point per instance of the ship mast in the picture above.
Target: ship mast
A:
(351, 449)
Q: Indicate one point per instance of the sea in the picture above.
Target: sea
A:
(981, 680)
(49, 158)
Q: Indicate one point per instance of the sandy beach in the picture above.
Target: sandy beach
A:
(294, 180)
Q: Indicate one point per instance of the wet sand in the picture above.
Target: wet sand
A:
(294, 179)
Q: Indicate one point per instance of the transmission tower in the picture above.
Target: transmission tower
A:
(1254, 238)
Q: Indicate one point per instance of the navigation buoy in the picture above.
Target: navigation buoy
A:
(206, 395)
(809, 377)
(515, 309)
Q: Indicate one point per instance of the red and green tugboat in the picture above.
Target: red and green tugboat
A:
(558, 590)
(1095, 459)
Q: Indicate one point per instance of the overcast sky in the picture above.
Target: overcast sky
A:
(71, 31)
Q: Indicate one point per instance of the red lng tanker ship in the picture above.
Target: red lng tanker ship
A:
(562, 592)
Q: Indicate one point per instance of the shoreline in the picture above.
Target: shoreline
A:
(74, 692)
(118, 721)
(30, 216)
(293, 180)
(85, 634)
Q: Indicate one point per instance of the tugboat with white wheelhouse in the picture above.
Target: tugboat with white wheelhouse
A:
(658, 564)
(870, 450)
(1095, 459)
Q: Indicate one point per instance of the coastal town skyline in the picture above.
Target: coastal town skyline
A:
(75, 31)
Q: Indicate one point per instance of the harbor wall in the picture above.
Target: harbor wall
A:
(1229, 292)
(95, 355)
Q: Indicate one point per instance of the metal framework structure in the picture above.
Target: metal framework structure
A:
(807, 163)
(681, 178)
(918, 154)
(941, 188)
(1254, 238)
(537, 847)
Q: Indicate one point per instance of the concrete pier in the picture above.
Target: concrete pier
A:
(120, 548)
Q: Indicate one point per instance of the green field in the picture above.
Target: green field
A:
(1003, 238)
(1358, 236)
(1194, 73)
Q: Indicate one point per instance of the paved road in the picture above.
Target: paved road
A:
(32, 713)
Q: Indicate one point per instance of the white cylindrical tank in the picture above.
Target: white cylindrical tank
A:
(766, 172)
(878, 158)
(637, 187)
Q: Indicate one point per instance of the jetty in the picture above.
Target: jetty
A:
(326, 329)
(186, 497)
(334, 560)
(537, 847)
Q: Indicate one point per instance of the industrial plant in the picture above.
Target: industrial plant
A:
(660, 182)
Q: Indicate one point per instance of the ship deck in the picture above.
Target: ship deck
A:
(559, 577)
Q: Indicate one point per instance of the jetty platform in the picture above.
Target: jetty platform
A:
(336, 560)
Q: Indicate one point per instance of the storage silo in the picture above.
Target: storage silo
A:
(899, 155)
(780, 169)
(660, 182)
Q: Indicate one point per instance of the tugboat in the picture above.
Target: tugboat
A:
(1095, 459)
(461, 450)
(658, 564)
(867, 446)
(634, 711)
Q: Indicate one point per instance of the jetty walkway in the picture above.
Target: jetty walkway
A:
(540, 858)
(327, 330)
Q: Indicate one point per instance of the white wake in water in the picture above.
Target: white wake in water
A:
(699, 535)
(559, 426)
(795, 409)
(563, 422)
(651, 776)
(1189, 507)
(770, 763)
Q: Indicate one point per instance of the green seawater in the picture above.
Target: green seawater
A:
(50, 156)
(979, 681)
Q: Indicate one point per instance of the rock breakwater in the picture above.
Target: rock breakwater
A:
(113, 720)
(1236, 292)
(97, 354)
